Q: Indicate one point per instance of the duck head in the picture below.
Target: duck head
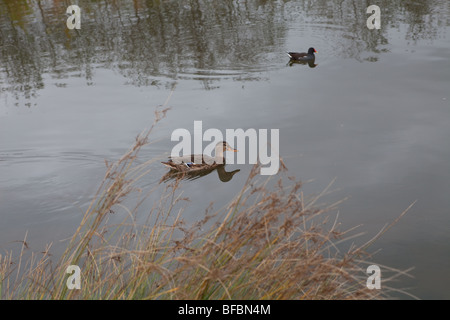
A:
(221, 147)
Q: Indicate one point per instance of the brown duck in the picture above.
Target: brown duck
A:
(187, 163)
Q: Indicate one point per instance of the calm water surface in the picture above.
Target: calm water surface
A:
(374, 113)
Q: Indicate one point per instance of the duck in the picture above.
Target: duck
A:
(303, 56)
(188, 164)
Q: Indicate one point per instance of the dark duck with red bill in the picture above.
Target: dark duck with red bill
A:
(303, 56)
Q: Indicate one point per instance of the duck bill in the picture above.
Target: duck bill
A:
(231, 149)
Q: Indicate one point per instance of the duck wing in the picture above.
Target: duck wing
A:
(192, 159)
(297, 55)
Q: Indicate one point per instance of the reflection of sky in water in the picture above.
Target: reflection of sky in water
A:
(380, 127)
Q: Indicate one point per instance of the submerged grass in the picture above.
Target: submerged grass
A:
(270, 242)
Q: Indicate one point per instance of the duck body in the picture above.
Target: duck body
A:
(303, 56)
(188, 163)
(193, 173)
(199, 162)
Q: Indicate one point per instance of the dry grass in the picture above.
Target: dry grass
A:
(270, 242)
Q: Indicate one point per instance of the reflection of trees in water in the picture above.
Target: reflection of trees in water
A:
(357, 40)
(424, 20)
(158, 42)
(147, 41)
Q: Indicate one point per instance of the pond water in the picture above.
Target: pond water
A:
(373, 111)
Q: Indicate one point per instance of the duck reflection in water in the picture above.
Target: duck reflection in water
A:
(185, 167)
(310, 63)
